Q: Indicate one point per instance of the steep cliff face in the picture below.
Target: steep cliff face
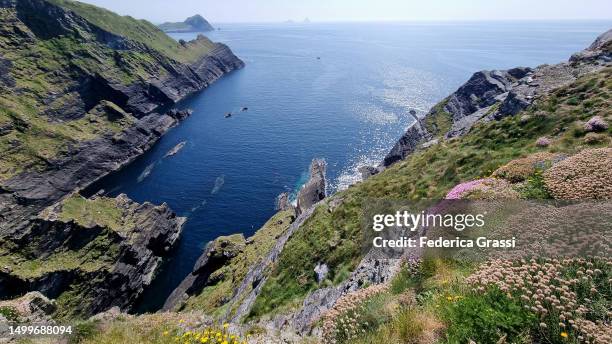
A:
(89, 254)
(77, 95)
(79, 87)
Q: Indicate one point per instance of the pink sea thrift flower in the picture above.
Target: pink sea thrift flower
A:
(596, 123)
(543, 142)
(462, 188)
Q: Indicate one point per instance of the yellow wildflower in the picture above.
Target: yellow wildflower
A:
(564, 334)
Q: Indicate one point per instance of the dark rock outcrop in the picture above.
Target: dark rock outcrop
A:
(102, 264)
(314, 190)
(408, 143)
(367, 171)
(493, 95)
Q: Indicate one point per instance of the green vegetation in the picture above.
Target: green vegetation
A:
(458, 302)
(214, 297)
(438, 121)
(9, 313)
(94, 256)
(534, 187)
(46, 110)
(487, 318)
(334, 237)
(140, 31)
(101, 211)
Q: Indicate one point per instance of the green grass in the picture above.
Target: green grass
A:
(47, 73)
(213, 298)
(334, 237)
(439, 121)
(140, 31)
(101, 211)
(487, 318)
(98, 254)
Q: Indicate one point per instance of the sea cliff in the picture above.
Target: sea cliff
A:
(83, 93)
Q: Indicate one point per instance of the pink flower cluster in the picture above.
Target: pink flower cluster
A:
(596, 123)
(462, 188)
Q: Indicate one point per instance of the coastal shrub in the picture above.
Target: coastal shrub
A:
(10, 313)
(410, 326)
(458, 191)
(519, 170)
(351, 316)
(543, 142)
(596, 123)
(534, 187)
(585, 175)
(571, 297)
(485, 318)
(595, 139)
(492, 188)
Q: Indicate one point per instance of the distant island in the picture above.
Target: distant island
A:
(196, 23)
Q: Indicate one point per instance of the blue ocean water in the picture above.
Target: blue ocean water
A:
(340, 91)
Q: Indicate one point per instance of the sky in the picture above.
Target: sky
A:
(229, 11)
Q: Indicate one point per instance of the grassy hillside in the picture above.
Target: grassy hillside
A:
(213, 299)
(47, 101)
(334, 237)
(140, 31)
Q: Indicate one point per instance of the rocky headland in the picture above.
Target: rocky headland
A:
(83, 93)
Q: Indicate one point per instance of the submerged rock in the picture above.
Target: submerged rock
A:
(175, 149)
(282, 201)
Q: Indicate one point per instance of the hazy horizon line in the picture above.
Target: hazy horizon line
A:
(314, 21)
